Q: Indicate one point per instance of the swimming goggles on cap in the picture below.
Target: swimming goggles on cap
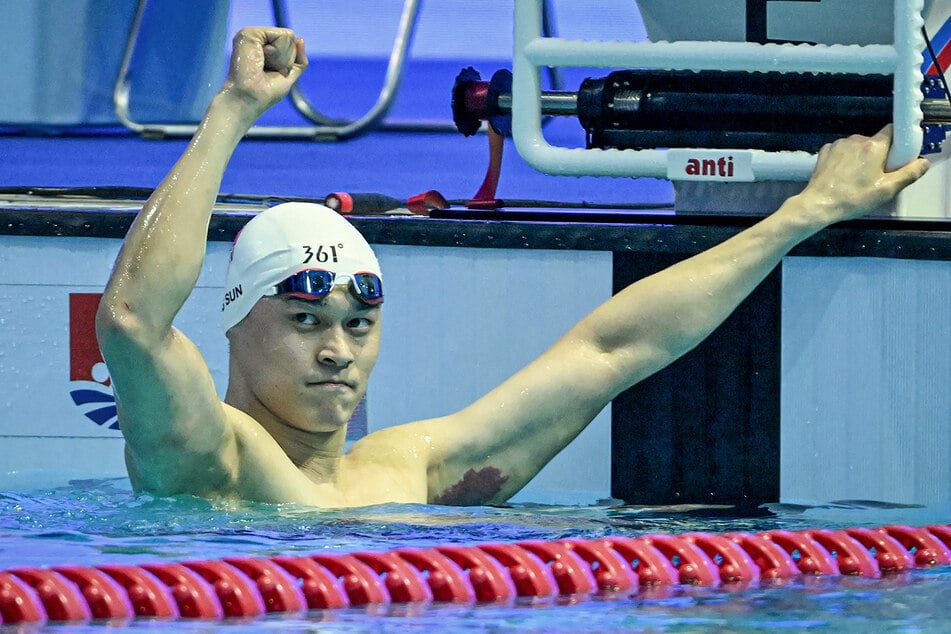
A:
(316, 284)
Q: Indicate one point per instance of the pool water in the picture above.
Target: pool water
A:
(89, 522)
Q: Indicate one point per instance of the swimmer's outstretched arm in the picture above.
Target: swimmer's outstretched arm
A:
(488, 451)
(165, 393)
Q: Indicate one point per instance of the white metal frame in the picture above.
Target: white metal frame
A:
(534, 51)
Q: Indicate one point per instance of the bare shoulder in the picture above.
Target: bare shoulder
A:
(253, 466)
(263, 472)
(391, 464)
(399, 444)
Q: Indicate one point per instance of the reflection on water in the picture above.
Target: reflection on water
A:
(98, 521)
(91, 521)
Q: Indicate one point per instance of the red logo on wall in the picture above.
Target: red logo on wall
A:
(90, 387)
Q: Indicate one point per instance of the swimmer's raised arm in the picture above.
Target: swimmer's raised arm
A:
(488, 451)
(163, 388)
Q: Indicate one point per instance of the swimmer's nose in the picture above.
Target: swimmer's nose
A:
(335, 349)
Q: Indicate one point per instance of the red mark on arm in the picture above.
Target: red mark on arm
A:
(475, 488)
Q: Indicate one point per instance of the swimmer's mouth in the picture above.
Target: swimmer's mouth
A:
(332, 383)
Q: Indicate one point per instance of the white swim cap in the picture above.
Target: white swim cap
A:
(284, 240)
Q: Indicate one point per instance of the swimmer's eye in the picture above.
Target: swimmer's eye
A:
(359, 323)
(307, 319)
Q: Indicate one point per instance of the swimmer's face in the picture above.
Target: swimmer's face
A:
(305, 363)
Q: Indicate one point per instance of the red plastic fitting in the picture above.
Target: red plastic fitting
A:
(278, 589)
(238, 594)
(363, 586)
(531, 576)
(611, 572)
(447, 580)
(889, 553)
(403, 581)
(734, 565)
(341, 202)
(650, 565)
(104, 596)
(195, 597)
(490, 580)
(813, 558)
(929, 550)
(322, 589)
(148, 595)
(851, 556)
(421, 204)
(60, 597)
(571, 572)
(773, 562)
(693, 566)
(942, 533)
(19, 602)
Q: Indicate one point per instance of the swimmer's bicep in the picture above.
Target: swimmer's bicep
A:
(566, 386)
(167, 400)
(492, 448)
(509, 434)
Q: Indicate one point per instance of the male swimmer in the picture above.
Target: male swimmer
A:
(303, 324)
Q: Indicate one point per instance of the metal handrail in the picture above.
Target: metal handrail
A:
(122, 89)
(338, 129)
(326, 128)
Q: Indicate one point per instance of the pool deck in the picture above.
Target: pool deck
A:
(592, 228)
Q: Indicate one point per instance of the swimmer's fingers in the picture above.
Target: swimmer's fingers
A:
(284, 53)
(850, 175)
(300, 60)
(907, 174)
(885, 134)
(265, 63)
(857, 153)
(895, 180)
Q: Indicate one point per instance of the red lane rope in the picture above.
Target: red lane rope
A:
(250, 586)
